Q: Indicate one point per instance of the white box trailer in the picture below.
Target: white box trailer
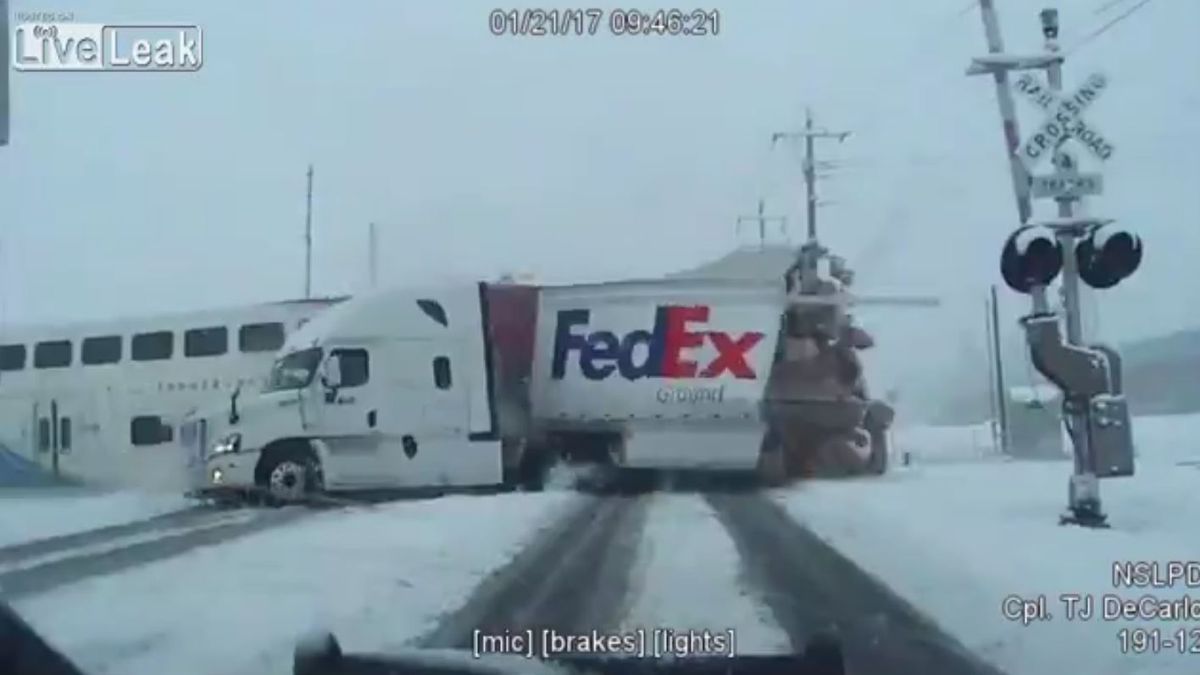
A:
(484, 384)
(676, 369)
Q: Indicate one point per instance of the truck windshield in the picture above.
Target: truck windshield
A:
(295, 370)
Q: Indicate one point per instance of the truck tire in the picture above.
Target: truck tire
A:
(772, 464)
(634, 482)
(877, 463)
(291, 476)
(531, 473)
(878, 419)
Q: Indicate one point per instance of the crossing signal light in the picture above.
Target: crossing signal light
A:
(1107, 256)
(1031, 257)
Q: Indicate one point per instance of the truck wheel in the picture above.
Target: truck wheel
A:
(532, 470)
(635, 482)
(772, 464)
(877, 463)
(291, 477)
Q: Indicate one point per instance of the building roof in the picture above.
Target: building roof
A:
(765, 263)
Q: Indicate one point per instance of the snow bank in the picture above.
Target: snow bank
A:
(375, 577)
(943, 443)
(26, 515)
(1159, 437)
(957, 539)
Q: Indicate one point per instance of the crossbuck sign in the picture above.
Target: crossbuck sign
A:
(1065, 118)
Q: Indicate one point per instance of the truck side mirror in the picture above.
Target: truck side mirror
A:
(331, 372)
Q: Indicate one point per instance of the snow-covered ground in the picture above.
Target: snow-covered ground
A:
(1156, 437)
(958, 538)
(956, 533)
(377, 577)
(38, 513)
(685, 548)
(929, 444)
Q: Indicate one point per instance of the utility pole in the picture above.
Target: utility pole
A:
(1001, 388)
(4, 49)
(811, 251)
(810, 134)
(1008, 110)
(308, 236)
(762, 221)
(371, 247)
(993, 414)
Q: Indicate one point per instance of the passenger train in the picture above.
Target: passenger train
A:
(102, 402)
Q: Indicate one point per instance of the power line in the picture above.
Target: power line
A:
(1106, 27)
(1107, 5)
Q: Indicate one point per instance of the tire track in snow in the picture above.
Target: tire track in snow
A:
(572, 579)
(811, 588)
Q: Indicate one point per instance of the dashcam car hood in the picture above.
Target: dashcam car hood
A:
(24, 652)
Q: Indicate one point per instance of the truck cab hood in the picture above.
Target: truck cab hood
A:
(257, 412)
(322, 655)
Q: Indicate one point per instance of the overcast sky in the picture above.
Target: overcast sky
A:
(569, 157)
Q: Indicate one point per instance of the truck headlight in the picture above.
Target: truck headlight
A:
(230, 443)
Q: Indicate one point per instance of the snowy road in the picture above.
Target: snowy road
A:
(951, 537)
(666, 572)
(578, 579)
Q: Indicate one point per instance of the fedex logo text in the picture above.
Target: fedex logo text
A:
(602, 352)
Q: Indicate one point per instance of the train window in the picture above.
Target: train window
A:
(260, 337)
(52, 354)
(64, 434)
(206, 341)
(441, 372)
(354, 365)
(12, 357)
(100, 350)
(149, 430)
(156, 346)
(44, 434)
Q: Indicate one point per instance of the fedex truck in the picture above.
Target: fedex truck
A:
(488, 384)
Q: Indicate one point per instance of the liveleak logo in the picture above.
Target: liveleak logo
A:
(664, 355)
(69, 46)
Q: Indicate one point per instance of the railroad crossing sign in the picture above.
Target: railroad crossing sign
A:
(1065, 118)
(1066, 182)
(1066, 185)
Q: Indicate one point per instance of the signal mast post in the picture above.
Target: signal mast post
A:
(1094, 407)
(1084, 498)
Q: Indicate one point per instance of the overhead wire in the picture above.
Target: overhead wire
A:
(877, 246)
(1107, 26)
(1107, 5)
(925, 42)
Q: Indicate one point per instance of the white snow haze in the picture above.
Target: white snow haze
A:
(573, 157)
